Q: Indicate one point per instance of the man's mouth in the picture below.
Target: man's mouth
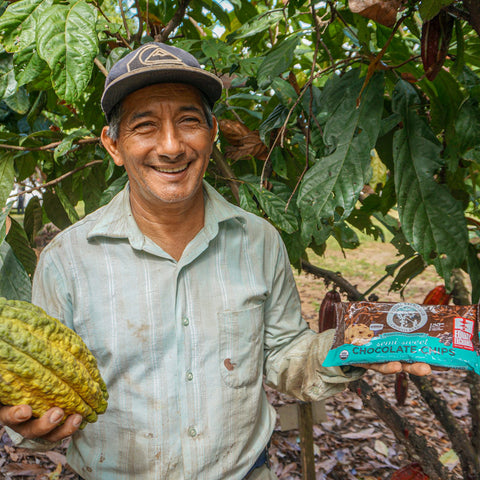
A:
(171, 169)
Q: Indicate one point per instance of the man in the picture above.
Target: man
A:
(185, 300)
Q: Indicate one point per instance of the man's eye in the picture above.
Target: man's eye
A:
(143, 126)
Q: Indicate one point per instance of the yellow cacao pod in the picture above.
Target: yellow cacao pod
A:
(45, 364)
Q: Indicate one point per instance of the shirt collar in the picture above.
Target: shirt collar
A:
(116, 220)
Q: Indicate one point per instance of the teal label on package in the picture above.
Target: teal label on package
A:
(440, 335)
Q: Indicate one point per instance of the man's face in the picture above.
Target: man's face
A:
(164, 143)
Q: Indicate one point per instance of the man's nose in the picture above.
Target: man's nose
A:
(169, 143)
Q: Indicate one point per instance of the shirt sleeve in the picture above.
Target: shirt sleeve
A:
(293, 352)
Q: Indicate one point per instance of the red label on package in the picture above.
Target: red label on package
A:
(463, 333)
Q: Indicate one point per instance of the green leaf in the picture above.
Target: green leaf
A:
(19, 22)
(334, 183)
(277, 61)
(18, 240)
(30, 68)
(115, 187)
(430, 8)
(7, 176)
(54, 210)
(275, 208)
(432, 220)
(66, 144)
(8, 84)
(67, 205)
(15, 284)
(407, 273)
(32, 221)
(3, 218)
(67, 41)
(19, 101)
(257, 24)
(247, 201)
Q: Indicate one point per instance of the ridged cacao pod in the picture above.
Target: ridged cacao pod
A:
(45, 364)
(437, 296)
(436, 36)
(326, 315)
(410, 472)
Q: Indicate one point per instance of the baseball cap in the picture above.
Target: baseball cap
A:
(152, 63)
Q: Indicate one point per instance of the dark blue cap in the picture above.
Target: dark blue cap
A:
(157, 63)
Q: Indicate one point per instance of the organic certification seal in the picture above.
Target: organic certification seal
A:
(406, 317)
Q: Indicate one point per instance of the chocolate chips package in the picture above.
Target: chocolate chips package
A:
(375, 332)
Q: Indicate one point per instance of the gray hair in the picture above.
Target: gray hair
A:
(116, 114)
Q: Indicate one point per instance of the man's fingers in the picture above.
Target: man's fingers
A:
(419, 369)
(388, 368)
(12, 416)
(69, 427)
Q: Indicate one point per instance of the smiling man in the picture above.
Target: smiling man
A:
(187, 302)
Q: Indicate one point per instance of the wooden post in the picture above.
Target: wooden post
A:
(305, 420)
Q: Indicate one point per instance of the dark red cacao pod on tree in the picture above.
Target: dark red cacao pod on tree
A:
(326, 315)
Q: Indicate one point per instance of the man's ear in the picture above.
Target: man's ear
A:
(111, 147)
(214, 128)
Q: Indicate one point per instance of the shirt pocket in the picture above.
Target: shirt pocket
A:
(241, 341)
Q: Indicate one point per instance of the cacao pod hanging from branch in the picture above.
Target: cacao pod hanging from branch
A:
(326, 315)
(436, 36)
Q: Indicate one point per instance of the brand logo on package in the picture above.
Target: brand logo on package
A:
(463, 333)
(406, 317)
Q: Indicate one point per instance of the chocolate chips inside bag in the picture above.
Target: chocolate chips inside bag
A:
(374, 332)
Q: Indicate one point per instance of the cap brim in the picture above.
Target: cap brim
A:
(210, 85)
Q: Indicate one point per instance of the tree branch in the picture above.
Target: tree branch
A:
(345, 286)
(460, 443)
(415, 444)
(473, 8)
(226, 171)
(57, 180)
(174, 22)
(50, 146)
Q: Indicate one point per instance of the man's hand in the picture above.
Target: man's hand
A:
(419, 369)
(19, 419)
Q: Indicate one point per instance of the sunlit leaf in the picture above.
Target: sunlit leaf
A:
(67, 41)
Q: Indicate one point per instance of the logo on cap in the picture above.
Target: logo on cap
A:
(153, 55)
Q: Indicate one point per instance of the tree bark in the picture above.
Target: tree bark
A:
(460, 442)
(473, 8)
(415, 444)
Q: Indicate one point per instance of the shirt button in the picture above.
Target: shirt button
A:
(185, 321)
(192, 432)
(189, 376)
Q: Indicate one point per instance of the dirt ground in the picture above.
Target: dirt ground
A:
(351, 443)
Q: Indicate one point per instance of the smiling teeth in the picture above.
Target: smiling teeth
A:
(170, 170)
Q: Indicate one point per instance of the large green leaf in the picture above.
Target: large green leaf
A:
(67, 41)
(275, 208)
(277, 61)
(29, 67)
(18, 240)
(15, 283)
(257, 24)
(7, 176)
(432, 220)
(32, 221)
(334, 183)
(8, 84)
(429, 8)
(19, 22)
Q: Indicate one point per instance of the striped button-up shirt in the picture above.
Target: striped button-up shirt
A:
(184, 346)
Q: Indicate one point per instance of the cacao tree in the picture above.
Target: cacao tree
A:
(337, 117)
